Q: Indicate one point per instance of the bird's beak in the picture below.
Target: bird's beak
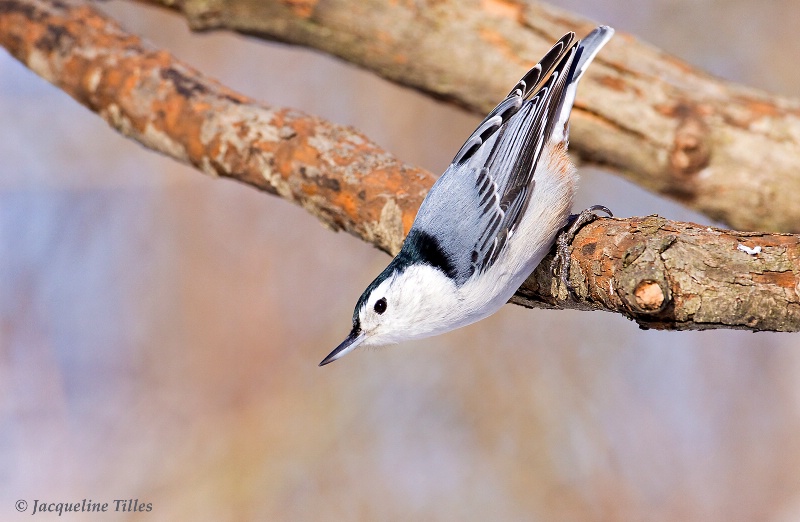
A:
(353, 340)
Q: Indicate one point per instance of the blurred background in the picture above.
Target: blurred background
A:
(160, 330)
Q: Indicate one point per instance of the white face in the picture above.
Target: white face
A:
(409, 305)
(418, 302)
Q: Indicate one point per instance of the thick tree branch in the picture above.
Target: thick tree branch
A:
(680, 276)
(730, 152)
(662, 274)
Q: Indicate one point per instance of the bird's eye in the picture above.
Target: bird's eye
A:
(380, 305)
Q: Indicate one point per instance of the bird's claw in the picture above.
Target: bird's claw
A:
(561, 261)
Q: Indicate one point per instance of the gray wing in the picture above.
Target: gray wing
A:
(475, 206)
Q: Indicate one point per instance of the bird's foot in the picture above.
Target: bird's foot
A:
(561, 261)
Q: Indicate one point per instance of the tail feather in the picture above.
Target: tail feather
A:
(588, 47)
(533, 79)
(554, 78)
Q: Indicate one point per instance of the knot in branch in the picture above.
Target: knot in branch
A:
(642, 283)
(691, 151)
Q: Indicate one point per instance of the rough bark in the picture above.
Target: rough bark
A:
(679, 276)
(662, 274)
(730, 152)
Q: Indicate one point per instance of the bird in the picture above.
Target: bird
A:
(493, 215)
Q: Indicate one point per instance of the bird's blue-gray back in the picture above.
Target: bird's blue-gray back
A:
(499, 160)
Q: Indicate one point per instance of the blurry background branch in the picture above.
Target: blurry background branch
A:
(662, 274)
(730, 152)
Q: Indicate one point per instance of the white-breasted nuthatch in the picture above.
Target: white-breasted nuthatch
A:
(490, 218)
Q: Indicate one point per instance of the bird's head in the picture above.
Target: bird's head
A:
(404, 302)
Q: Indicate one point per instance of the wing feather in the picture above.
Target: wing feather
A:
(474, 208)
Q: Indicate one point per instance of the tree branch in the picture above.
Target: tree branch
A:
(662, 274)
(730, 152)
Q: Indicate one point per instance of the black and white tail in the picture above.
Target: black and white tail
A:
(550, 85)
